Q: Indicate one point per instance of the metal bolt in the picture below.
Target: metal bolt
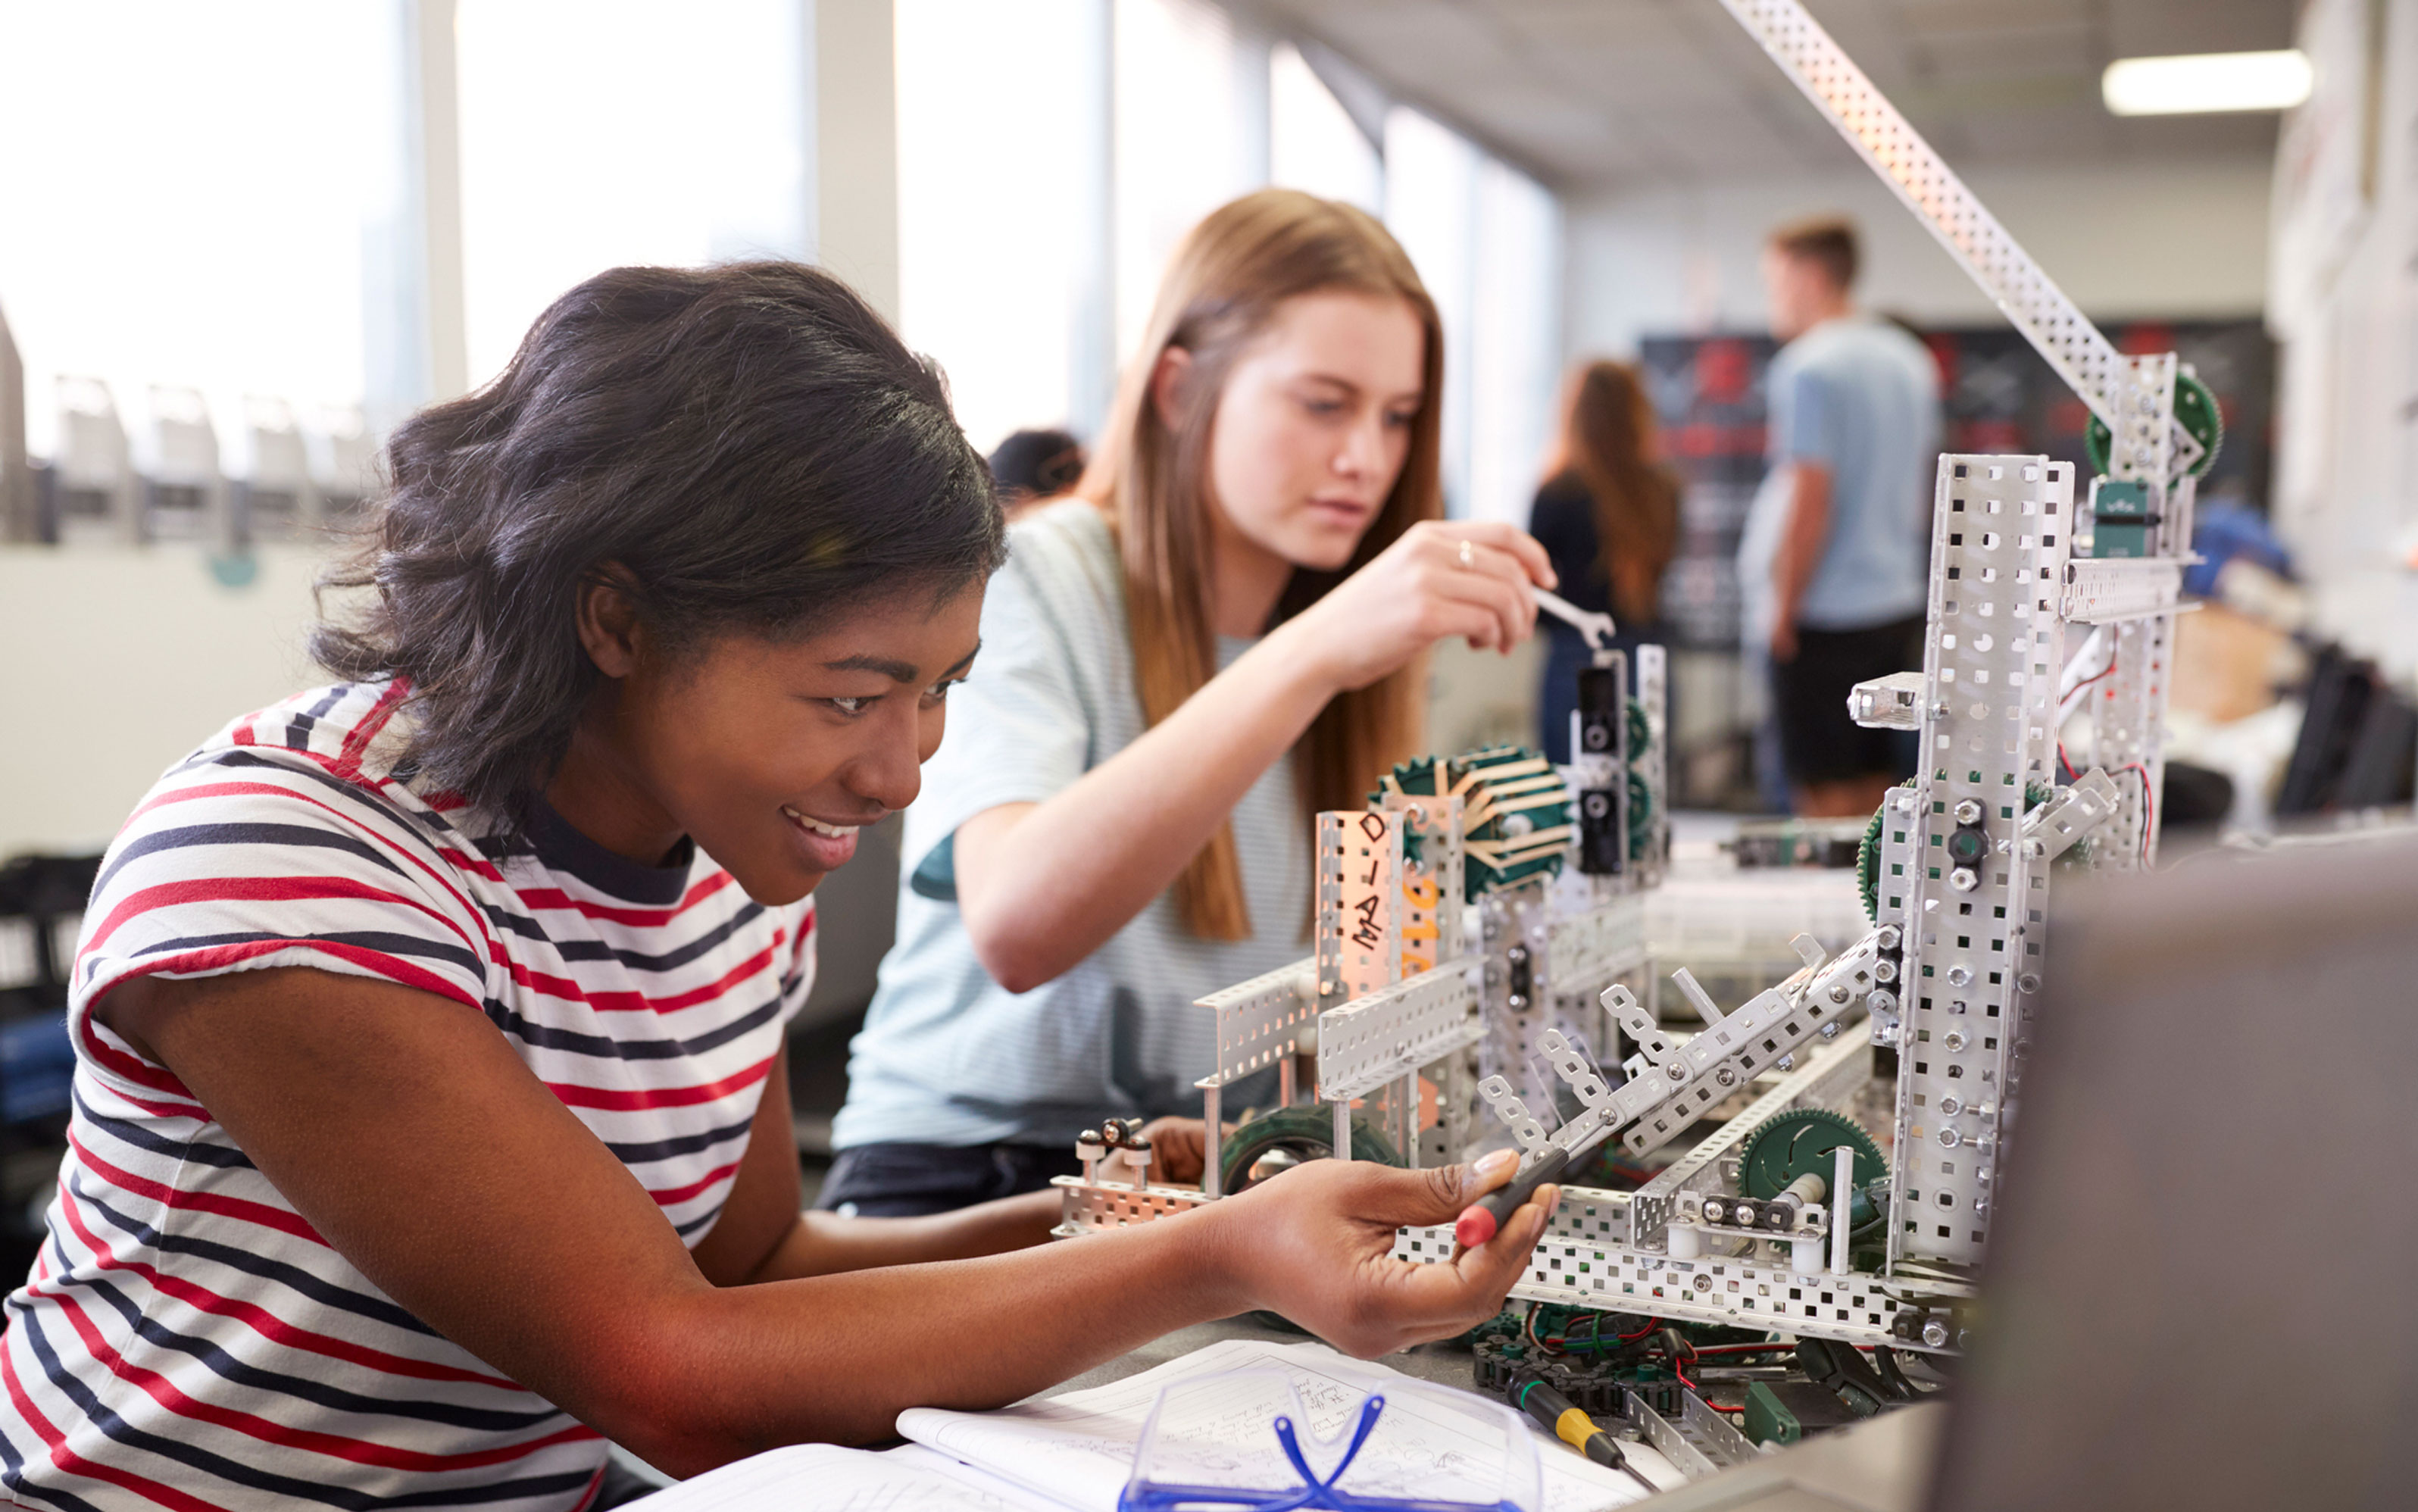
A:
(1954, 1040)
(1984, 1141)
(2028, 982)
(1960, 976)
(1949, 1138)
(1839, 992)
(1935, 1333)
(1967, 811)
(1881, 1001)
(1728, 1078)
(1830, 1030)
(1964, 880)
(1949, 1106)
(1786, 1062)
(1885, 969)
(1981, 1206)
(1888, 937)
(1676, 1071)
(1715, 1210)
(1982, 1176)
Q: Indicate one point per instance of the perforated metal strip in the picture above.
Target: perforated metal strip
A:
(2026, 296)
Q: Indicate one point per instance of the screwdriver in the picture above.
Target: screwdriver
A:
(1478, 1221)
(1562, 1418)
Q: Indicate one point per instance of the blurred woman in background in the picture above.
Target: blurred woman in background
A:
(1608, 516)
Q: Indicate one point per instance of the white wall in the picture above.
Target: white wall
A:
(119, 660)
(2346, 306)
(2174, 241)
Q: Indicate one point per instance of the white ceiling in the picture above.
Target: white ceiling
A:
(1602, 94)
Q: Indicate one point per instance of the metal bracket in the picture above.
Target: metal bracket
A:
(1574, 1069)
(2049, 830)
(2101, 590)
(1889, 703)
(1263, 1019)
(1513, 1113)
(1396, 1029)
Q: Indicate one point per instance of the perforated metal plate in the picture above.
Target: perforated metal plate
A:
(1263, 1018)
(2088, 364)
(1994, 651)
(2101, 592)
(1087, 1209)
(1359, 934)
(1394, 1031)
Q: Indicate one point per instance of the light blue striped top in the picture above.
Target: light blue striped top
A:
(947, 1056)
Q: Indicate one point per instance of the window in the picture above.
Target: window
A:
(1313, 143)
(997, 138)
(620, 131)
(1514, 340)
(194, 195)
(1182, 146)
(1431, 207)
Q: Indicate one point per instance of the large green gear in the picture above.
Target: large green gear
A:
(1523, 807)
(1799, 1143)
(2195, 410)
(1304, 1133)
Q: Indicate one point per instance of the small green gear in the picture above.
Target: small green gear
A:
(2195, 410)
(1302, 1133)
(1799, 1143)
(1641, 731)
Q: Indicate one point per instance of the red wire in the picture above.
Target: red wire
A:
(2149, 805)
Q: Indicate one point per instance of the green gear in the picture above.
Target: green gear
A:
(1426, 775)
(1868, 861)
(1306, 1133)
(1641, 731)
(1868, 852)
(1641, 817)
(2195, 410)
(1797, 1144)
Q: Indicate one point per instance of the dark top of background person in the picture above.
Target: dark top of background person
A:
(1608, 516)
(1031, 464)
(1608, 512)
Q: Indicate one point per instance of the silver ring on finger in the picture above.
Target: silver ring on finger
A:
(1468, 554)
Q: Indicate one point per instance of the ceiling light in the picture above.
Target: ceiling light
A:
(2203, 83)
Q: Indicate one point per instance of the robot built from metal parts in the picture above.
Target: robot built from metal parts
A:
(1779, 1218)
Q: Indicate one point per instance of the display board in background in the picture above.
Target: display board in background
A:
(2000, 397)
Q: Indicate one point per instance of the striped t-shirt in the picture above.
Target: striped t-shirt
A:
(186, 1339)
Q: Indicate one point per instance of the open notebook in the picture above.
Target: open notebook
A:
(1068, 1454)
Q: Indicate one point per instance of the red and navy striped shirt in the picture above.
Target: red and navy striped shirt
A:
(186, 1339)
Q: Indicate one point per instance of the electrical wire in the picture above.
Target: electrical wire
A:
(2148, 806)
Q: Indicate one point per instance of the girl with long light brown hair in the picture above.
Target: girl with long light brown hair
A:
(1219, 634)
(1608, 516)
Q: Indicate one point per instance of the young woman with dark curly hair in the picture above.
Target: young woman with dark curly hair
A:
(431, 1125)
